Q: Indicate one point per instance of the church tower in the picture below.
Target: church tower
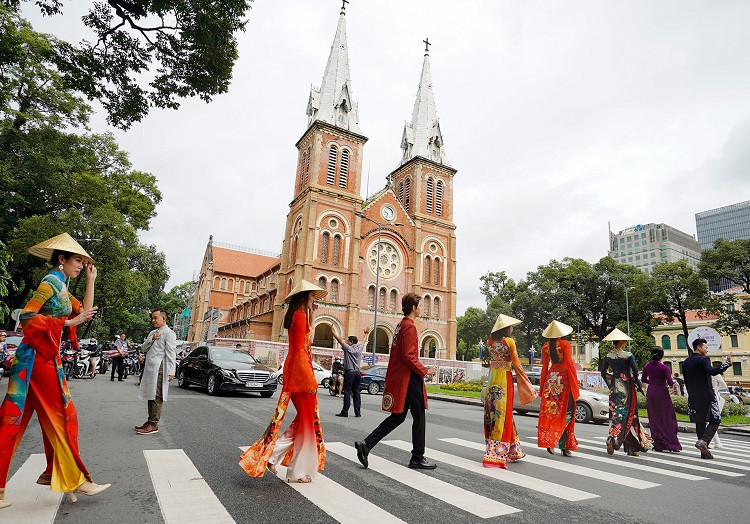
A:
(320, 241)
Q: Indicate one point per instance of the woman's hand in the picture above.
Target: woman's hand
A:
(83, 316)
(91, 272)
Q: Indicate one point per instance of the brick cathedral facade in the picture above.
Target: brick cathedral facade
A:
(331, 235)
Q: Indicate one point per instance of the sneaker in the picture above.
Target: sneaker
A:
(362, 452)
(148, 429)
(141, 426)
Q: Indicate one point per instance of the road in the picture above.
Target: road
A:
(188, 472)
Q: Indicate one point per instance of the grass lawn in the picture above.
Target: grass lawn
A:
(725, 421)
(437, 389)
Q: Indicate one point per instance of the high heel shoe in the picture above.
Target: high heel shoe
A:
(89, 489)
(4, 504)
(550, 451)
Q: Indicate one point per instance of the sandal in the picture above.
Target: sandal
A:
(550, 451)
(567, 453)
(271, 467)
(302, 480)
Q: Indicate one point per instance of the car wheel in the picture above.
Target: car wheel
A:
(373, 388)
(211, 386)
(326, 382)
(266, 394)
(280, 380)
(182, 380)
(522, 411)
(583, 413)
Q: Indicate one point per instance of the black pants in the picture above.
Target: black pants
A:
(352, 381)
(415, 404)
(117, 365)
(706, 430)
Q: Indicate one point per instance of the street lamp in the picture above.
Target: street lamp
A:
(377, 281)
(627, 313)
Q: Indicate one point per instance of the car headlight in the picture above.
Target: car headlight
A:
(227, 373)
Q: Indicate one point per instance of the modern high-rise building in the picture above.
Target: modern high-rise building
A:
(729, 222)
(644, 246)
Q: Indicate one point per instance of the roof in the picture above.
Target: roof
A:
(242, 263)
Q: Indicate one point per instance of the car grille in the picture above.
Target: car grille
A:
(253, 376)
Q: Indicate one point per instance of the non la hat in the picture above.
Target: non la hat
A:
(616, 335)
(302, 286)
(504, 321)
(62, 242)
(557, 329)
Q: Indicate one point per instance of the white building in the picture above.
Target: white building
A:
(644, 246)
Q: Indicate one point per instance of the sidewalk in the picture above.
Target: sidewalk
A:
(682, 427)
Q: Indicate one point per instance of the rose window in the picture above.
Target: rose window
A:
(390, 259)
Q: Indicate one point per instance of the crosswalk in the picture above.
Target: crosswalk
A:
(185, 496)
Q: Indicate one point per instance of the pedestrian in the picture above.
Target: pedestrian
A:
(352, 377)
(158, 370)
(404, 389)
(558, 392)
(238, 346)
(662, 421)
(703, 406)
(37, 382)
(500, 435)
(300, 447)
(718, 383)
(118, 360)
(680, 384)
(95, 354)
(337, 370)
(3, 352)
(624, 425)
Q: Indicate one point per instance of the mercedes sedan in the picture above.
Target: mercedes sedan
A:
(220, 369)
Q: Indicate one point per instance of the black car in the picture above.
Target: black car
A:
(225, 369)
(373, 379)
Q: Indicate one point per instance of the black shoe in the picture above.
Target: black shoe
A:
(703, 447)
(112, 379)
(362, 452)
(421, 463)
(119, 380)
(357, 414)
(342, 414)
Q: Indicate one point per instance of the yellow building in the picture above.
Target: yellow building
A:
(670, 338)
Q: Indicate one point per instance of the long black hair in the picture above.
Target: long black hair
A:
(657, 353)
(298, 301)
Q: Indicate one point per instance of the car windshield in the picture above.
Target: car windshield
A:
(234, 355)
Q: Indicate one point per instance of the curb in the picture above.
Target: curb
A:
(455, 399)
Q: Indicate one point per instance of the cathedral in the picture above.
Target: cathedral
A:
(366, 253)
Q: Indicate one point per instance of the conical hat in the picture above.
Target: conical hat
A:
(616, 335)
(62, 242)
(504, 321)
(557, 329)
(302, 286)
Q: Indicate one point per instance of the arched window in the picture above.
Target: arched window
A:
(381, 299)
(426, 269)
(439, 199)
(334, 296)
(344, 168)
(293, 255)
(401, 193)
(394, 297)
(371, 297)
(223, 284)
(430, 194)
(436, 271)
(426, 306)
(247, 287)
(332, 156)
(436, 307)
(666, 342)
(289, 286)
(322, 282)
(407, 193)
(217, 280)
(681, 341)
(336, 250)
(230, 285)
(324, 248)
(307, 168)
(255, 308)
(253, 285)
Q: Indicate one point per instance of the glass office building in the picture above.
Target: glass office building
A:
(730, 223)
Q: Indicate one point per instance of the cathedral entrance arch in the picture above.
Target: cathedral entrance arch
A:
(429, 347)
(383, 343)
(323, 337)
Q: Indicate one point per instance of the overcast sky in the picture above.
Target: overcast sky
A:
(559, 116)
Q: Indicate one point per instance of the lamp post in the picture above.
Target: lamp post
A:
(377, 282)
(627, 313)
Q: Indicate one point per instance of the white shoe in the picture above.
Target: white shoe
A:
(4, 504)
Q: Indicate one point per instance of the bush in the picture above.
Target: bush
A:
(474, 385)
(680, 405)
(641, 403)
(732, 409)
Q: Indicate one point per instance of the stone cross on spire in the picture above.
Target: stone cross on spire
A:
(427, 45)
(343, 5)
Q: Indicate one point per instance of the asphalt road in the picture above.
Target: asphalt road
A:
(211, 429)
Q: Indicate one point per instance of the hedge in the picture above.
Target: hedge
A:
(681, 406)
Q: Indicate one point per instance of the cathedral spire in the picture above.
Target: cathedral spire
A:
(332, 102)
(422, 137)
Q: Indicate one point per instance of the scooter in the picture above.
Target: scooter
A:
(82, 363)
(69, 359)
(333, 385)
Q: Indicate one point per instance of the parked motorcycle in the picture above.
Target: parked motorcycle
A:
(69, 358)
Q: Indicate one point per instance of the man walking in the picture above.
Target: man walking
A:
(118, 361)
(404, 389)
(703, 405)
(352, 378)
(158, 369)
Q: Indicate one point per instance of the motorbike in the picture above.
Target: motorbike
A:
(333, 386)
(82, 363)
(69, 359)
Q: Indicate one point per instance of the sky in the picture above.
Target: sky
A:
(561, 118)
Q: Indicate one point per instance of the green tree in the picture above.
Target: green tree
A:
(727, 260)
(5, 283)
(187, 47)
(473, 326)
(677, 288)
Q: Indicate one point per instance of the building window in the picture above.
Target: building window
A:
(247, 287)
(666, 342)
(430, 194)
(426, 306)
(307, 168)
(681, 341)
(324, 248)
(407, 193)
(223, 286)
(322, 282)
(344, 168)
(426, 270)
(436, 307)
(394, 296)
(737, 368)
(371, 297)
(334, 296)
(436, 272)
(439, 199)
(332, 156)
(336, 250)
(733, 341)
(381, 299)
(401, 193)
